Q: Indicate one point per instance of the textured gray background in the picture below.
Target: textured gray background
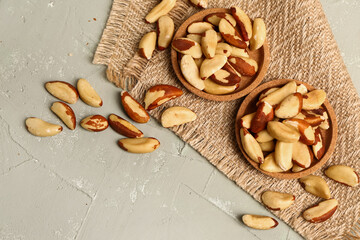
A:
(80, 185)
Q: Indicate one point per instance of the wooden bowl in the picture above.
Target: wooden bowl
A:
(247, 84)
(329, 135)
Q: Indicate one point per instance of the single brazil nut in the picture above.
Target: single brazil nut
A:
(267, 92)
(302, 89)
(290, 106)
(223, 49)
(124, 127)
(267, 146)
(147, 45)
(282, 132)
(264, 114)
(214, 18)
(307, 134)
(133, 108)
(302, 155)
(200, 3)
(199, 27)
(191, 72)
(259, 34)
(65, 113)
(283, 155)
(244, 66)
(187, 46)
(245, 121)
(343, 174)
(227, 76)
(94, 123)
(277, 200)
(314, 99)
(251, 146)
(159, 10)
(269, 164)
(243, 22)
(165, 32)
(210, 66)
(63, 91)
(175, 116)
(321, 212)
(259, 222)
(318, 147)
(217, 89)
(40, 128)
(88, 94)
(159, 94)
(209, 43)
(195, 36)
(277, 96)
(316, 186)
(230, 34)
(239, 52)
(263, 136)
(139, 145)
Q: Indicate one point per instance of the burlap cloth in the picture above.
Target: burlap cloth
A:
(302, 47)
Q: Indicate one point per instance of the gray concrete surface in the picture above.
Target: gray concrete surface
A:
(80, 185)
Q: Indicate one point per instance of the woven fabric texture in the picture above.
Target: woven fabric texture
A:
(302, 47)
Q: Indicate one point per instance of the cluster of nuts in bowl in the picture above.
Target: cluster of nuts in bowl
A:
(135, 141)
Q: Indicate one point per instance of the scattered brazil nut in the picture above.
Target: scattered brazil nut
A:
(315, 185)
(139, 145)
(283, 155)
(199, 27)
(159, 10)
(88, 94)
(124, 127)
(314, 99)
(174, 116)
(200, 3)
(343, 174)
(214, 18)
(217, 89)
(165, 31)
(94, 123)
(209, 43)
(269, 164)
(159, 94)
(251, 146)
(290, 106)
(40, 128)
(243, 22)
(63, 91)
(259, 222)
(147, 45)
(133, 108)
(230, 34)
(210, 66)
(321, 212)
(191, 72)
(282, 132)
(65, 113)
(277, 200)
(259, 34)
(187, 46)
(245, 66)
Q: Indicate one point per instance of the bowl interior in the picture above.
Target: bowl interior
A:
(329, 135)
(247, 84)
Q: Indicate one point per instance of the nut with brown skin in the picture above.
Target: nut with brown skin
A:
(175, 116)
(277, 200)
(94, 123)
(307, 135)
(159, 94)
(259, 34)
(263, 136)
(318, 147)
(159, 10)
(217, 89)
(343, 174)
(124, 127)
(139, 145)
(264, 114)
(313, 119)
(321, 212)
(314, 99)
(230, 34)
(165, 31)
(187, 46)
(267, 146)
(315, 185)
(283, 155)
(214, 18)
(200, 3)
(88, 94)
(243, 21)
(63, 91)
(251, 146)
(259, 222)
(199, 27)
(210, 66)
(245, 121)
(277, 96)
(227, 76)
(244, 66)
(269, 164)
(209, 43)
(147, 45)
(65, 113)
(282, 132)
(290, 106)
(302, 155)
(191, 72)
(133, 108)
(40, 128)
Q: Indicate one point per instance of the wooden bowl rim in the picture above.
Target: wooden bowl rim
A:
(288, 175)
(226, 97)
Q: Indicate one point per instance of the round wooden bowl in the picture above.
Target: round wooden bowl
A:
(247, 84)
(329, 135)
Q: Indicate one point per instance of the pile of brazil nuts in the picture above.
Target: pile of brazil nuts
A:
(135, 141)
